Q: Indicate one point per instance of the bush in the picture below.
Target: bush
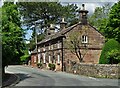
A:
(52, 66)
(39, 65)
(114, 56)
(107, 51)
(24, 59)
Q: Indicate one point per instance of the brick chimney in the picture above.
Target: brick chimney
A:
(63, 24)
(83, 15)
(51, 29)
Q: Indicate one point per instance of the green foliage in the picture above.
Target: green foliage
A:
(107, 52)
(107, 20)
(45, 13)
(39, 65)
(31, 45)
(48, 12)
(52, 66)
(99, 18)
(112, 29)
(24, 57)
(12, 35)
(114, 56)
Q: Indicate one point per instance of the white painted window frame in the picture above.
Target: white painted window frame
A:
(58, 59)
(49, 58)
(84, 39)
(44, 58)
(35, 59)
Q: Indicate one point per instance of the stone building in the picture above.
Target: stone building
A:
(55, 47)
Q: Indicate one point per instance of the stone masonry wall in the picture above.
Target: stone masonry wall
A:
(94, 70)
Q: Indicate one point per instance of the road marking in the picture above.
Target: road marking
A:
(93, 78)
(9, 72)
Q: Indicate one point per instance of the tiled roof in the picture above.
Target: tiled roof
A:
(57, 34)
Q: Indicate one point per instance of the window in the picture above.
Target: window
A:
(43, 49)
(52, 47)
(35, 59)
(39, 58)
(49, 46)
(58, 59)
(39, 50)
(58, 44)
(84, 39)
(44, 60)
(49, 58)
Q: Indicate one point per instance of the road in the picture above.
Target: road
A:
(37, 77)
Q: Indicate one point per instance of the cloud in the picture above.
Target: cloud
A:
(88, 1)
(89, 6)
(1, 3)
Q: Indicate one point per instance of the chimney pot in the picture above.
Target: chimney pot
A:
(63, 24)
(63, 20)
(51, 30)
(51, 26)
(83, 6)
(83, 15)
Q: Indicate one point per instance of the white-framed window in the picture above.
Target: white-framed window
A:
(52, 47)
(39, 50)
(49, 46)
(58, 60)
(35, 59)
(39, 58)
(44, 59)
(49, 58)
(44, 49)
(84, 39)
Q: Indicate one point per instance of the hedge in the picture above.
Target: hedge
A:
(108, 47)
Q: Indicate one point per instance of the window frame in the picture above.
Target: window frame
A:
(84, 39)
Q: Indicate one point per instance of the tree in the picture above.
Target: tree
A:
(114, 56)
(12, 35)
(46, 12)
(107, 55)
(26, 57)
(99, 18)
(107, 20)
(42, 14)
(75, 45)
(112, 29)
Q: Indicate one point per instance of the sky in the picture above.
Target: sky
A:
(90, 5)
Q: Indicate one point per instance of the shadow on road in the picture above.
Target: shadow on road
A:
(23, 76)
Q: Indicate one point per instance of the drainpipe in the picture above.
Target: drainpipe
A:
(36, 44)
(62, 56)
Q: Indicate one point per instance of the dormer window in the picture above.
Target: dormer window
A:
(84, 39)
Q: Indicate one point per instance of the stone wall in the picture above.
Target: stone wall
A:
(94, 70)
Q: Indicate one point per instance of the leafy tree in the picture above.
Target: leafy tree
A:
(112, 29)
(42, 14)
(12, 35)
(25, 58)
(46, 12)
(107, 55)
(114, 56)
(107, 20)
(99, 18)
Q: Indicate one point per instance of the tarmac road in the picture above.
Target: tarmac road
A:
(36, 77)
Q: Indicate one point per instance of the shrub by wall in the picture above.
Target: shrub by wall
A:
(108, 47)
